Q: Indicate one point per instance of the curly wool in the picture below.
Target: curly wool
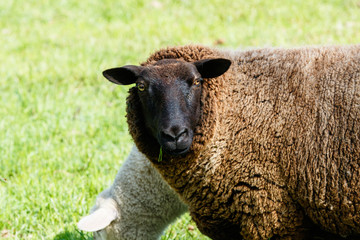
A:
(277, 143)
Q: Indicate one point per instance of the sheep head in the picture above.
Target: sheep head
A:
(169, 91)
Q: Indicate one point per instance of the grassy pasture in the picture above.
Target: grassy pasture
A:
(63, 134)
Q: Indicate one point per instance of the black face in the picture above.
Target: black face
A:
(170, 98)
(170, 92)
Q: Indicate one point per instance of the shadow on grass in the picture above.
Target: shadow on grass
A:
(74, 235)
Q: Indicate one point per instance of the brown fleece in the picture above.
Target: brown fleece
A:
(278, 143)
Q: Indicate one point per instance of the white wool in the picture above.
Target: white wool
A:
(138, 205)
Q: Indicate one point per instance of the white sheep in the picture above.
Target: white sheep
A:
(138, 205)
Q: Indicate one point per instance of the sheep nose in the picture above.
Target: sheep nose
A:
(174, 133)
(175, 140)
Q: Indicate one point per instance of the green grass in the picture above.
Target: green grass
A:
(63, 134)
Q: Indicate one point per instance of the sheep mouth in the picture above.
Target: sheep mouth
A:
(177, 151)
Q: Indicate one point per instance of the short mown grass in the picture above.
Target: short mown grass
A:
(63, 134)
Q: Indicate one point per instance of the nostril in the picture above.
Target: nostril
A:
(174, 133)
(184, 133)
(167, 135)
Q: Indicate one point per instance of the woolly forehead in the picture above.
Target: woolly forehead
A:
(169, 70)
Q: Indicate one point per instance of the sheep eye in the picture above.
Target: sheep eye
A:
(197, 81)
(140, 86)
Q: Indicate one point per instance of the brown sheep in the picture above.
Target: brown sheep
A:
(274, 147)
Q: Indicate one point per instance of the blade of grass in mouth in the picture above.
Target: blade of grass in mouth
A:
(160, 155)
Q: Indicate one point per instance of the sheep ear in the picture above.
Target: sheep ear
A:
(99, 219)
(210, 68)
(124, 75)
